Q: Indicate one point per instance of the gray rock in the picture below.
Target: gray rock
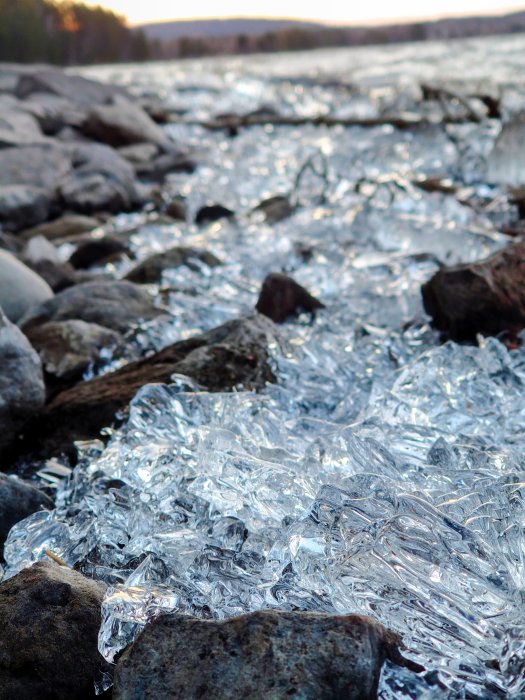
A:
(102, 181)
(68, 348)
(115, 305)
(123, 123)
(17, 126)
(150, 271)
(139, 154)
(64, 227)
(23, 205)
(53, 113)
(177, 209)
(49, 622)
(43, 166)
(505, 162)
(276, 208)
(266, 655)
(20, 288)
(22, 391)
(17, 501)
(72, 87)
(58, 275)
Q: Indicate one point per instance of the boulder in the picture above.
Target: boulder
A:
(68, 348)
(102, 181)
(66, 226)
(150, 271)
(486, 297)
(58, 275)
(282, 297)
(139, 154)
(49, 622)
(74, 88)
(123, 123)
(22, 391)
(213, 212)
(20, 288)
(226, 358)
(116, 305)
(158, 168)
(265, 655)
(275, 208)
(17, 501)
(505, 162)
(53, 113)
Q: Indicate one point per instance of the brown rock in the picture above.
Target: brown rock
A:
(486, 297)
(266, 655)
(49, 622)
(282, 297)
(225, 358)
(97, 252)
(150, 271)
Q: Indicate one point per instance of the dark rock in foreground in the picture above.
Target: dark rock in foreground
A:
(150, 271)
(213, 212)
(228, 357)
(267, 655)
(282, 297)
(98, 252)
(49, 622)
(486, 297)
(17, 501)
(115, 305)
(22, 391)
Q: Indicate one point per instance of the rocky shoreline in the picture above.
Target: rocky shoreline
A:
(73, 153)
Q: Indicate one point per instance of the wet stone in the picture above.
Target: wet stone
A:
(17, 501)
(150, 271)
(213, 212)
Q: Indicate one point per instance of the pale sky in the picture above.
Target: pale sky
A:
(333, 11)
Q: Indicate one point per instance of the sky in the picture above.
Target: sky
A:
(330, 11)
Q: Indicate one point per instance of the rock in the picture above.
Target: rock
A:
(23, 205)
(116, 305)
(17, 501)
(49, 622)
(150, 271)
(276, 208)
(30, 177)
(281, 297)
(20, 288)
(157, 169)
(68, 348)
(486, 297)
(72, 87)
(58, 275)
(97, 252)
(505, 163)
(228, 357)
(213, 212)
(66, 226)
(102, 181)
(53, 113)
(265, 655)
(140, 154)
(17, 127)
(177, 209)
(10, 242)
(123, 123)
(22, 391)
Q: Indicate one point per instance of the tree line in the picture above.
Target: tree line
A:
(66, 33)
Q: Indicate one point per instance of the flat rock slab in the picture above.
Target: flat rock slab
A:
(115, 305)
(486, 297)
(49, 622)
(72, 87)
(266, 655)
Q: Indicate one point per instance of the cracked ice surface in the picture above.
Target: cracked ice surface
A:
(383, 474)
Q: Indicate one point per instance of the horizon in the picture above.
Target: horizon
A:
(375, 11)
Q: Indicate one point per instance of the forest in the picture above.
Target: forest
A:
(67, 33)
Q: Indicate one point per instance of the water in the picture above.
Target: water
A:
(384, 473)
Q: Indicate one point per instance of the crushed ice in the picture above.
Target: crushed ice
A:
(384, 473)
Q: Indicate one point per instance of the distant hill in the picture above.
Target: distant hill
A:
(170, 31)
